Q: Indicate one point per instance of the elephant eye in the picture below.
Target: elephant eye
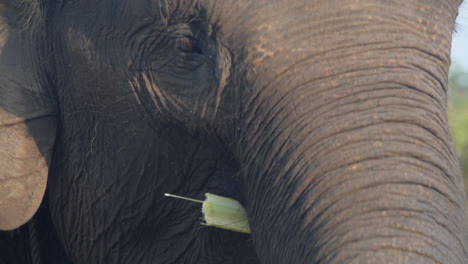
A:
(188, 44)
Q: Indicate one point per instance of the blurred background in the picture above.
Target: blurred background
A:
(458, 93)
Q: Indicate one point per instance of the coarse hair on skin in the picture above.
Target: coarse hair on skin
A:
(27, 14)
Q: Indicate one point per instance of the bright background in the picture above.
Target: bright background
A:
(460, 38)
(458, 93)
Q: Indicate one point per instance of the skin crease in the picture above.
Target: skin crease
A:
(326, 119)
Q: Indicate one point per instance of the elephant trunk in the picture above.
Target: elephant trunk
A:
(349, 157)
(360, 173)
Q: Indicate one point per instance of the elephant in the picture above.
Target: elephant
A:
(325, 119)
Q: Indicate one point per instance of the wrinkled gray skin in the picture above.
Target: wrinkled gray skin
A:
(326, 119)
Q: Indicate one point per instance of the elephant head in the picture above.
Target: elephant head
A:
(326, 119)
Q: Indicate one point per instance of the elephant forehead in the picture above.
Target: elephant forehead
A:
(280, 35)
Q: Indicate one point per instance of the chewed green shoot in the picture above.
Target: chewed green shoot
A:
(221, 212)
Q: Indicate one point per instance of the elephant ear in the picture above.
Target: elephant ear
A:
(27, 127)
